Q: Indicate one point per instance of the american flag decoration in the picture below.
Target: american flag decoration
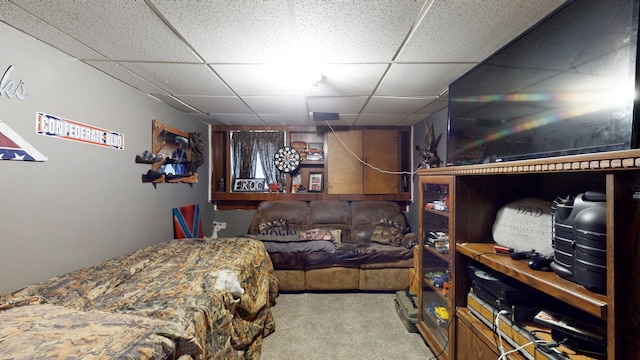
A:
(14, 147)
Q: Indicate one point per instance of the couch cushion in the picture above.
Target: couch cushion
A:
(295, 212)
(370, 212)
(365, 215)
(329, 212)
(346, 255)
(390, 232)
(299, 246)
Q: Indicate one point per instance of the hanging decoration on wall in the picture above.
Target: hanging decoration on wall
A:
(50, 125)
(287, 159)
(429, 152)
(14, 147)
(196, 144)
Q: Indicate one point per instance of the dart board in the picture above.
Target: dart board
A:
(287, 159)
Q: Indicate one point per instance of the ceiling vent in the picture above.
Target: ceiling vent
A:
(322, 116)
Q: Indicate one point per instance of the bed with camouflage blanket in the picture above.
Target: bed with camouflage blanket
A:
(218, 293)
(32, 329)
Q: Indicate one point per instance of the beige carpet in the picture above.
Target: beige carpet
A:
(336, 326)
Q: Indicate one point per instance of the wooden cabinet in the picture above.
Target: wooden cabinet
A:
(380, 148)
(343, 167)
(479, 191)
(435, 308)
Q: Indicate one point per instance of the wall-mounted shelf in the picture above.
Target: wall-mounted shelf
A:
(163, 139)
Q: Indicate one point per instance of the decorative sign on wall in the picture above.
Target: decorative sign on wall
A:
(50, 125)
(249, 185)
(10, 88)
(14, 147)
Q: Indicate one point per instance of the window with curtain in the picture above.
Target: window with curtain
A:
(252, 154)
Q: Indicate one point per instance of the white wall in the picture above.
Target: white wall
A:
(86, 203)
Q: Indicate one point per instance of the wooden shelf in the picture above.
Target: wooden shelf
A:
(437, 212)
(613, 160)
(432, 250)
(437, 290)
(545, 281)
(250, 200)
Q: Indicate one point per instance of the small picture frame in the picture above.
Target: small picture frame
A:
(315, 182)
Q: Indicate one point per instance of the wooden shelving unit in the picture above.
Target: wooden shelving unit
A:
(386, 190)
(479, 191)
(433, 299)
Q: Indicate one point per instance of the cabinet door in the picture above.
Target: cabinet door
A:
(344, 170)
(436, 290)
(381, 149)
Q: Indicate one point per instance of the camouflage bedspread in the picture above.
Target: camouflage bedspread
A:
(177, 281)
(31, 329)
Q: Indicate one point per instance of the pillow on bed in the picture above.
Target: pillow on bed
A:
(388, 232)
(299, 246)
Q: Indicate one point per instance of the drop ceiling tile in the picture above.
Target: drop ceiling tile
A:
(413, 119)
(126, 76)
(223, 31)
(353, 31)
(347, 79)
(31, 25)
(263, 80)
(205, 118)
(285, 119)
(394, 105)
(277, 104)
(180, 79)
(419, 79)
(173, 102)
(340, 105)
(379, 119)
(434, 106)
(470, 31)
(238, 119)
(216, 104)
(117, 29)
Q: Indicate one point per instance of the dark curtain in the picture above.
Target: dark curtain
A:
(244, 154)
(268, 145)
(248, 145)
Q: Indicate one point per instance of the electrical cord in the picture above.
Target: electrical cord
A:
(504, 354)
(496, 329)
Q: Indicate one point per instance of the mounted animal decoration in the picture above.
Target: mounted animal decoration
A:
(429, 152)
(196, 143)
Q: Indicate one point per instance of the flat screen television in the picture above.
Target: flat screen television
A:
(566, 86)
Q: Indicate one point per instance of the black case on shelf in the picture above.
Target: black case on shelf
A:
(579, 239)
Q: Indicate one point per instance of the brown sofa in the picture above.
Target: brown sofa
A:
(357, 263)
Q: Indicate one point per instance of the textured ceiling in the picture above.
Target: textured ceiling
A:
(381, 62)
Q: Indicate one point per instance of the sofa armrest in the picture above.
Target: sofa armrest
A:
(409, 240)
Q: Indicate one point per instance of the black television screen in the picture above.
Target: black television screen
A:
(566, 86)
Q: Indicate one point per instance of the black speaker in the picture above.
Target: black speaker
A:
(322, 116)
(579, 240)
